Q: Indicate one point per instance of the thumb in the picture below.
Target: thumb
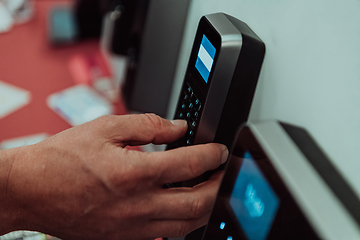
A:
(139, 129)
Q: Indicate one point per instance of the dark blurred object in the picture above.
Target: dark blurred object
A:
(80, 21)
(62, 27)
(89, 15)
(129, 19)
(149, 33)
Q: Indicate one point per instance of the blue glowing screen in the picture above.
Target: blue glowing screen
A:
(253, 201)
(205, 58)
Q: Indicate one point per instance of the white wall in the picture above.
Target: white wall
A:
(311, 72)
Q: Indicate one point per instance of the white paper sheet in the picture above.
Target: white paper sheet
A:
(6, 19)
(12, 98)
(79, 104)
(23, 141)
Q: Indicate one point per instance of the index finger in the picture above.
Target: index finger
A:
(186, 163)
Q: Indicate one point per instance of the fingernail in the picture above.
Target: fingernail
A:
(179, 123)
(225, 154)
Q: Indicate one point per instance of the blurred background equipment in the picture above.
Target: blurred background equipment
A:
(89, 15)
(78, 21)
(149, 33)
(146, 34)
(62, 28)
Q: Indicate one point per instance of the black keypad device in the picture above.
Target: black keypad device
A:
(219, 84)
(189, 108)
(220, 80)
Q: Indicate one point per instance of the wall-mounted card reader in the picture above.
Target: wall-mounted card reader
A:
(280, 185)
(220, 80)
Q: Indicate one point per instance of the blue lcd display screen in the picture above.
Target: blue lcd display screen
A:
(205, 58)
(253, 200)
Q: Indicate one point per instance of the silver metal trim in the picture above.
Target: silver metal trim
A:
(322, 208)
(231, 43)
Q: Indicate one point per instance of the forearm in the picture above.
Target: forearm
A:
(8, 212)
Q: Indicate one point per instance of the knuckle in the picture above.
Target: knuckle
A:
(136, 176)
(150, 125)
(150, 209)
(125, 183)
(184, 228)
(214, 154)
(198, 207)
(145, 168)
(116, 181)
(152, 120)
(104, 122)
(105, 118)
(151, 172)
(194, 165)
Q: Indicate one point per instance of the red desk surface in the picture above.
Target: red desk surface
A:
(28, 61)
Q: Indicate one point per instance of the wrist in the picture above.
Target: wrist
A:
(8, 213)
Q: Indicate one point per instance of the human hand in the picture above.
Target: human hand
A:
(83, 184)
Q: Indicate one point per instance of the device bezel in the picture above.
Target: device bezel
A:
(246, 142)
(193, 75)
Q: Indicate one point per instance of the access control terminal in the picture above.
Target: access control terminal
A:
(219, 83)
(279, 184)
(220, 80)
